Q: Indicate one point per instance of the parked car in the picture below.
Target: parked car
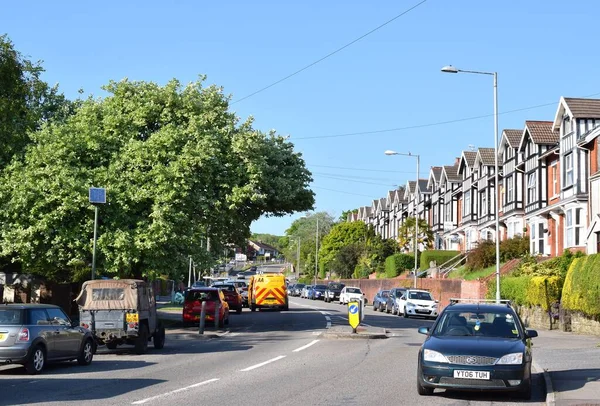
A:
(192, 306)
(476, 346)
(33, 335)
(394, 300)
(317, 292)
(232, 296)
(290, 289)
(298, 289)
(380, 299)
(333, 291)
(416, 302)
(351, 293)
(305, 289)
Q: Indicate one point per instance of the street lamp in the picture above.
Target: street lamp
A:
(416, 242)
(452, 69)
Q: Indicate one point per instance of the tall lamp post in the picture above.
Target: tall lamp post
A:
(317, 251)
(452, 69)
(416, 242)
(96, 196)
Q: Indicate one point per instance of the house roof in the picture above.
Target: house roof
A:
(451, 172)
(513, 137)
(487, 157)
(436, 171)
(541, 132)
(423, 185)
(262, 245)
(399, 194)
(411, 186)
(383, 205)
(470, 157)
(576, 108)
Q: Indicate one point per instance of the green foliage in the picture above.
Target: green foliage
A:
(340, 235)
(558, 266)
(482, 256)
(581, 290)
(512, 248)
(345, 213)
(439, 256)
(544, 290)
(177, 165)
(406, 234)
(270, 239)
(513, 288)
(346, 260)
(397, 264)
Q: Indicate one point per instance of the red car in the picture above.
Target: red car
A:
(193, 304)
(233, 296)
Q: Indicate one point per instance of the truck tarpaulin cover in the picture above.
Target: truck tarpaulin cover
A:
(109, 294)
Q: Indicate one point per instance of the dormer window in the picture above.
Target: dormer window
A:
(567, 126)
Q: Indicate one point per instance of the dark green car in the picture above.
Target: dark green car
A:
(476, 347)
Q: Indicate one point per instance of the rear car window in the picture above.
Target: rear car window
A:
(199, 295)
(339, 286)
(108, 294)
(11, 317)
(353, 290)
(38, 316)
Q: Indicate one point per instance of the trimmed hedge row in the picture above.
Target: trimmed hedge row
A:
(398, 263)
(439, 256)
(581, 291)
(527, 290)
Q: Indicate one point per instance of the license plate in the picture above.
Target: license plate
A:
(422, 311)
(132, 317)
(460, 374)
(2, 336)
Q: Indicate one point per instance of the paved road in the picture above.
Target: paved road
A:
(264, 358)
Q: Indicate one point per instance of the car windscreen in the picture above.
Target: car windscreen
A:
(478, 324)
(320, 287)
(385, 293)
(400, 293)
(353, 290)
(201, 295)
(336, 286)
(225, 288)
(11, 317)
(108, 294)
(299, 286)
(420, 296)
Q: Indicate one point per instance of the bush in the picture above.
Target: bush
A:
(512, 248)
(543, 291)
(439, 256)
(482, 256)
(513, 288)
(397, 264)
(581, 290)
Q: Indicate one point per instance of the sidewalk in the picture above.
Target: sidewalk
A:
(572, 362)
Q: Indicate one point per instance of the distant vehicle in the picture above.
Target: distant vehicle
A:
(267, 291)
(351, 293)
(394, 300)
(232, 295)
(417, 302)
(477, 346)
(121, 312)
(192, 306)
(332, 293)
(35, 334)
(298, 289)
(317, 292)
(380, 300)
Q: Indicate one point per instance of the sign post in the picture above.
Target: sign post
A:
(96, 196)
(354, 314)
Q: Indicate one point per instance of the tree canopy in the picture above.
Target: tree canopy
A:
(178, 166)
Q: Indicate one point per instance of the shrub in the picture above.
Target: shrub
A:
(581, 290)
(439, 256)
(543, 291)
(513, 288)
(482, 256)
(398, 263)
(512, 248)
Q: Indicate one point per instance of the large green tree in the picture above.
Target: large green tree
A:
(406, 234)
(341, 235)
(178, 167)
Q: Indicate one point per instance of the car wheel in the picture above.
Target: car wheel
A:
(159, 337)
(141, 343)
(87, 353)
(422, 390)
(405, 314)
(111, 345)
(395, 311)
(252, 308)
(36, 361)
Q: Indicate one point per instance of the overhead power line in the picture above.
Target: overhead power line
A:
(360, 169)
(352, 177)
(435, 124)
(344, 179)
(342, 191)
(329, 54)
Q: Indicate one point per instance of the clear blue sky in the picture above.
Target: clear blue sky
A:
(541, 49)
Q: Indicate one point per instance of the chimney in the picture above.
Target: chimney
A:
(457, 162)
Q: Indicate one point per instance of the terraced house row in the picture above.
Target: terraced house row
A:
(549, 189)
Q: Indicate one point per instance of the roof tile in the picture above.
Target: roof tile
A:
(541, 132)
(583, 108)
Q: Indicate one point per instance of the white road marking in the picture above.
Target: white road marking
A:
(234, 334)
(306, 346)
(222, 334)
(141, 402)
(262, 364)
(328, 324)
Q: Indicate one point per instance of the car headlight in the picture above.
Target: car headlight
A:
(409, 304)
(511, 359)
(434, 356)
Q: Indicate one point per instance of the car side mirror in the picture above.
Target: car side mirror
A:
(531, 333)
(424, 330)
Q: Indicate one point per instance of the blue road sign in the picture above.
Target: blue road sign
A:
(97, 195)
(353, 309)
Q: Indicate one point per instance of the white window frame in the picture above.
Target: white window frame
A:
(484, 203)
(574, 233)
(554, 174)
(568, 159)
(532, 188)
(467, 203)
(509, 189)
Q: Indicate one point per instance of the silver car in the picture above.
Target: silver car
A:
(34, 334)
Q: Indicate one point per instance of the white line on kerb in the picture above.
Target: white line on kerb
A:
(306, 346)
(262, 364)
(328, 324)
(140, 402)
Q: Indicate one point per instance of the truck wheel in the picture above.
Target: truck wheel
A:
(111, 345)
(141, 344)
(159, 337)
(86, 354)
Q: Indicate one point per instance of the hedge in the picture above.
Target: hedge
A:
(398, 263)
(527, 290)
(581, 291)
(439, 256)
(513, 288)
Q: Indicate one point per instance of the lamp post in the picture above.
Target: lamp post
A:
(416, 241)
(297, 239)
(96, 196)
(317, 250)
(452, 69)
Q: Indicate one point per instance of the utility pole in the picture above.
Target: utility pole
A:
(317, 251)
(298, 260)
